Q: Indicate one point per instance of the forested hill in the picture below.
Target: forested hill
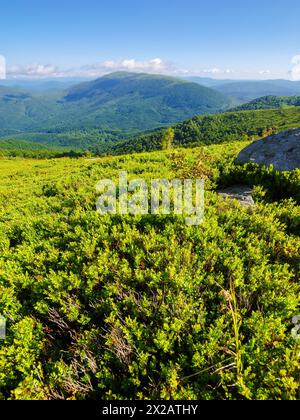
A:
(26, 149)
(218, 128)
(128, 102)
(270, 102)
(140, 101)
(200, 130)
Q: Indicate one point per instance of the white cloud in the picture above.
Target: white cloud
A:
(216, 70)
(296, 59)
(264, 72)
(155, 65)
(295, 72)
(34, 71)
(2, 67)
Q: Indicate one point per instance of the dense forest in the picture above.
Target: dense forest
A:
(270, 102)
(218, 128)
(200, 130)
(126, 102)
(27, 149)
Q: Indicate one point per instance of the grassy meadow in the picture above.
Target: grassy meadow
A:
(145, 307)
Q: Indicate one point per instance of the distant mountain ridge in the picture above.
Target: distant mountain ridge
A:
(246, 90)
(142, 101)
(129, 102)
(106, 112)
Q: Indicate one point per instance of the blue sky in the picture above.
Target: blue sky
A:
(225, 39)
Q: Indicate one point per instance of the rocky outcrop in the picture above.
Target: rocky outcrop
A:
(280, 150)
(241, 193)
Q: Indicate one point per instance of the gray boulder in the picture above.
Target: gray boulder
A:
(280, 150)
(240, 193)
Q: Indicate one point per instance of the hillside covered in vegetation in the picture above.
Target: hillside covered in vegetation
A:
(27, 149)
(200, 130)
(214, 129)
(126, 102)
(270, 102)
(114, 307)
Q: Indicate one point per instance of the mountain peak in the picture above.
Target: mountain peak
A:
(144, 101)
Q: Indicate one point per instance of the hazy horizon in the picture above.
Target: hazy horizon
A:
(62, 79)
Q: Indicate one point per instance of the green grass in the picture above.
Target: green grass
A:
(144, 307)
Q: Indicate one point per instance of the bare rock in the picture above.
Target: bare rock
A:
(280, 150)
(241, 193)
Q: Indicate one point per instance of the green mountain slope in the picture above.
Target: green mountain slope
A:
(121, 101)
(218, 128)
(27, 149)
(21, 110)
(139, 101)
(200, 130)
(270, 102)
